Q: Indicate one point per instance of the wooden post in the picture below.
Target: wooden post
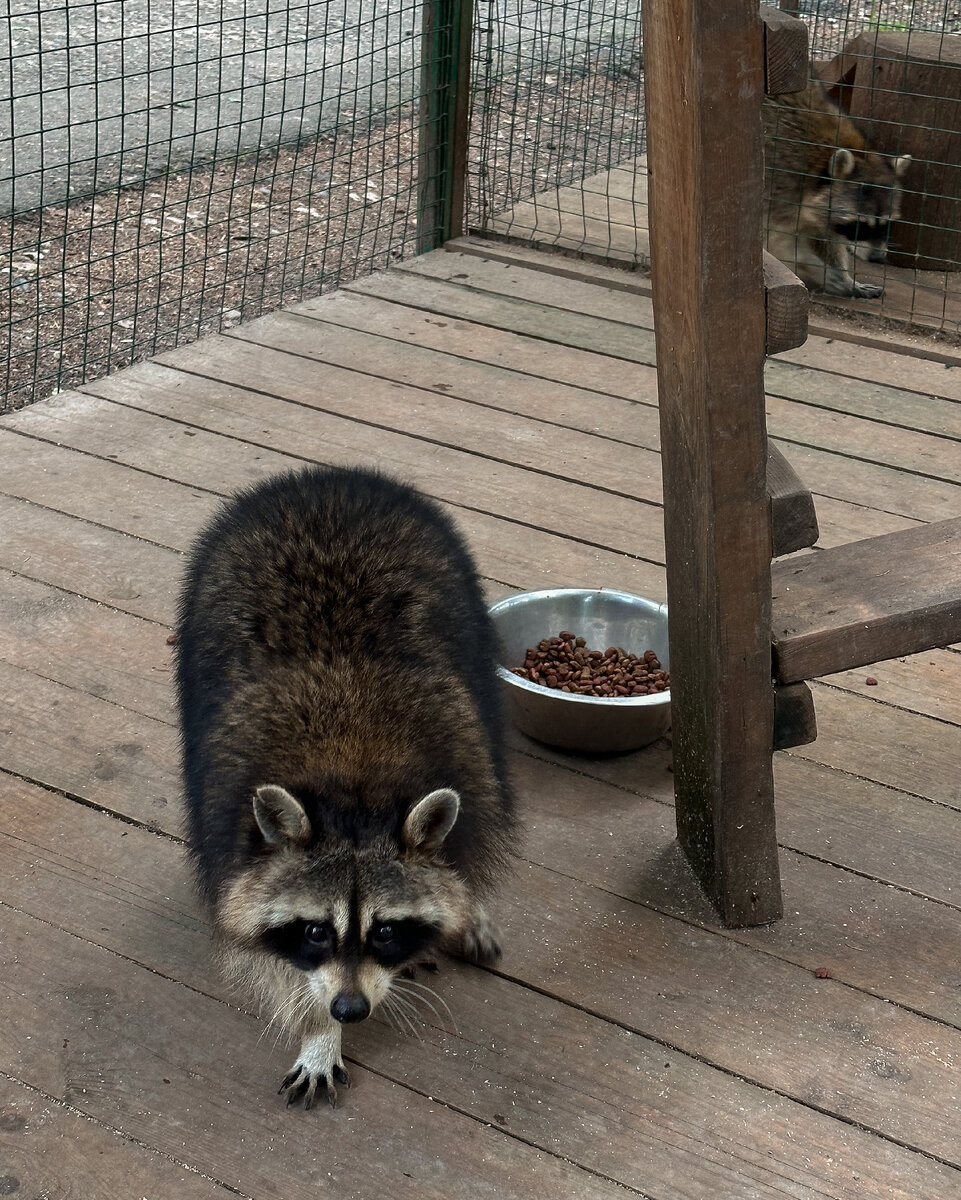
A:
(705, 82)
(444, 121)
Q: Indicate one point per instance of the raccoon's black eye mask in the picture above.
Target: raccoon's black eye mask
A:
(393, 942)
(306, 944)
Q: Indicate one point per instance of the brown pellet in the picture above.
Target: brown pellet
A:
(565, 663)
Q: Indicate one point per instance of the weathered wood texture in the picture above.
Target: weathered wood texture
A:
(786, 303)
(697, 1060)
(703, 80)
(785, 51)
(794, 522)
(795, 721)
(879, 598)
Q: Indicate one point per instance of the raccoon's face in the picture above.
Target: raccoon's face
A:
(321, 929)
(862, 194)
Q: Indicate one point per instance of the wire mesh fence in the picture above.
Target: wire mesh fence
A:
(169, 167)
(557, 106)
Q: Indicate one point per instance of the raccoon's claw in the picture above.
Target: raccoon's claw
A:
(300, 1084)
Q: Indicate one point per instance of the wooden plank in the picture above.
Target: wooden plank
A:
(785, 307)
(889, 745)
(393, 354)
(842, 477)
(914, 451)
(49, 1150)
(213, 460)
(786, 63)
(111, 655)
(795, 722)
(584, 271)
(192, 1077)
(916, 400)
(99, 490)
(853, 356)
(703, 1132)
(445, 421)
(71, 741)
(856, 604)
(704, 149)
(904, 367)
(794, 522)
(823, 811)
(129, 574)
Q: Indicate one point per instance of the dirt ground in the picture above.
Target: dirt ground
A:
(90, 286)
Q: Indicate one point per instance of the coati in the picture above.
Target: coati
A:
(348, 806)
(824, 189)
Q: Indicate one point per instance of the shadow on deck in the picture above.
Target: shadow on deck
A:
(626, 1044)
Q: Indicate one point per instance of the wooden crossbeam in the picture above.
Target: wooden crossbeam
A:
(786, 60)
(786, 302)
(795, 723)
(867, 601)
(794, 522)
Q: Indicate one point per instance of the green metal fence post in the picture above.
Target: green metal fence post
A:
(445, 95)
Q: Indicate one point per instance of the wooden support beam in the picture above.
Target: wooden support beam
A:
(795, 722)
(704, 79)
(786, 301)
(786, 60)
(794, 522)
(867, 601)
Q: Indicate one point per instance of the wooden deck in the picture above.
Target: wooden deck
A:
(627, 1045)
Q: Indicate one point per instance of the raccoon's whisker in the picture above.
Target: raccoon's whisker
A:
(289, 1012)
(402, 1015)
(437, 996)
(391, 1016)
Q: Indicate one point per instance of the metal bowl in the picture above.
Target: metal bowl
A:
(605, 618)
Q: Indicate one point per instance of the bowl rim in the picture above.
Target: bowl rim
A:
(654, 607)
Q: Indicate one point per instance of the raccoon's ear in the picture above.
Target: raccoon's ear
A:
(431, 820)
(842, 163)
(280, 815)
(901, 164)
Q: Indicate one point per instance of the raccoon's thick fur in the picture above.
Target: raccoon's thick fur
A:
(348, 807)
(825, 189)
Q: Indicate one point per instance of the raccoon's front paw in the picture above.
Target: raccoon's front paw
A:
(868, 291)
(318, 1068)
(481, 942)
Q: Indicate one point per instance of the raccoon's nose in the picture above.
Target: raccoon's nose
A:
(347, 1008)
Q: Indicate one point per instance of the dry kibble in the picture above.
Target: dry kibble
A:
(565, 663)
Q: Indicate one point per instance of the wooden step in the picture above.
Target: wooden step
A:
(880, 598)
(794, 522)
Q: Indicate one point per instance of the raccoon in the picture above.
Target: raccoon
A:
(824, 189)
(348, 806)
